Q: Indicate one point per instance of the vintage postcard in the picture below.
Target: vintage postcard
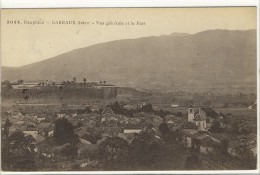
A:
(129, 89)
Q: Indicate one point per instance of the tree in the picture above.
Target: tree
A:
(5, 156)
(116, 108)
(189, 125)
(84, 80)
(74, 79)
(192, 161)
(144, 150)
(7, 125)
(113, 152)
(20, 81)
(92, 137)
(226, 105)
(21, 152)
(216, 127)
(6, 85)
(224, 146)
(173, 137)
(163, 128)
(179, 114)
(246, 157)
(161, 113)
(234, 128)
(119, 109)
(147, 108)
(207, 103)
(63, 133)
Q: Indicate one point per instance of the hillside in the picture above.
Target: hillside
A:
(211, 59)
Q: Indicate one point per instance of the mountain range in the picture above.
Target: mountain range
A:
(206, 60)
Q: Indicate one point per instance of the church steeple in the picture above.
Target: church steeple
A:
(191, 113)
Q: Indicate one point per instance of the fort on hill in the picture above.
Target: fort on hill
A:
(52, 92)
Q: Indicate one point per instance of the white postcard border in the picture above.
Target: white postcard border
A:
(5, 4)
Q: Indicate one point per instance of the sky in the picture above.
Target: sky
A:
(23, 44)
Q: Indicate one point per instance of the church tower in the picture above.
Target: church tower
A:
(191, 113)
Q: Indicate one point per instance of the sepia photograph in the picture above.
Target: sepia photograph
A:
(129, 89)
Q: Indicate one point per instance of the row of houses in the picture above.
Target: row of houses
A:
(204, 141)
(207, 143)
(110, 125)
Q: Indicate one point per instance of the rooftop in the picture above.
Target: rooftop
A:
(190, 106)
(190, 132)
(107, 110)
(199, 117)
(207, 142)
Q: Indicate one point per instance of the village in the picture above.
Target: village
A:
(90, 137)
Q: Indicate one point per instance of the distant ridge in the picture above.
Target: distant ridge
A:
(205, 60)
(176, 35)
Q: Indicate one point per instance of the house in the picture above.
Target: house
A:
(157, 120)
(199, 118)
(251, 141)
(29, 124)
(32, 132)
(189, 125)
(26, 85)
(140, 104)
(132, 129)
(129, 107)
(253, 148)
(89, 123)
(221, 117)
(169, 118)
(176, 121)
(31, 118)
(40, 119)
(172, 127)
(232, 147)
(44, 128)
(206, 144)
(60, 115)
(16, 117)
(191, 113)
(101, 86)
(83, 141)
(210, 112)
(134, 121)
(81, 131)
(110, 118)
(129, 137)
(174, 105)
(188, 136)
(218, 120)
(123, 120)
(192, 138)
(50, 133)
(208, 122)
(110, 131)
(107, 111)
(218, 137)
(108, 122)
(94, 116)
(151, 130)
(85, 148)
(252, 137)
